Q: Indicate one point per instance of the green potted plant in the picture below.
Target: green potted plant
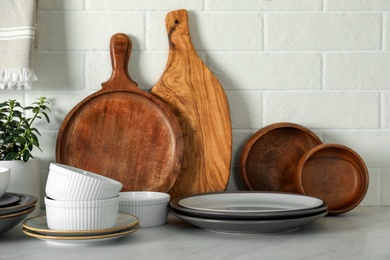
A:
(18, 138)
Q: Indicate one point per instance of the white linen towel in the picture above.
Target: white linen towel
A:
(17, 33)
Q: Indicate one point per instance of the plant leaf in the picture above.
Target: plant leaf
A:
(46, 116)
(17, 131)
(17, 137)
(35, 130)
(26, 156)
(11, 156)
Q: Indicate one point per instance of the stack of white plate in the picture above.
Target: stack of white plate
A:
(248, 211)
(15, 207)
(38, 228)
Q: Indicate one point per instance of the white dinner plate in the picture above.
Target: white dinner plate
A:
(244, 215)
(250, 202)
(38, 225)
(250, 226)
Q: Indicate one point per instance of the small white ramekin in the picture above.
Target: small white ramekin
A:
(150, 207)
(5, 177)
(73, 184)
(81, 215)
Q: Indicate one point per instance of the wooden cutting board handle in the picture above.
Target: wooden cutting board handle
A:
(200, 104)
(120, 49)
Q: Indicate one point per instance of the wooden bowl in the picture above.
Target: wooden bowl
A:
(334, 173)
(270, 158)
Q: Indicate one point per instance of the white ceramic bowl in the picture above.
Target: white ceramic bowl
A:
(5, 177)
(150, 207)
(73, 184)
(81, 215)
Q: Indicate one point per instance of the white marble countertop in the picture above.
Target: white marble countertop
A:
(363, 233)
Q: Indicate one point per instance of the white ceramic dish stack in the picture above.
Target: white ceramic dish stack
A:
(248, 212)
(150, 207)
(80, 200)
(81, 208)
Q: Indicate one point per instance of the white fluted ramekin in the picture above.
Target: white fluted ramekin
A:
(150, 207)
(5, 177)
(73, 184)
(81, 215)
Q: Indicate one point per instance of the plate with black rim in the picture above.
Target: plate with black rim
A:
(25, 201)
(249, 202)
(251, 226)
(247, 205)
(9, 221)
(8, 199)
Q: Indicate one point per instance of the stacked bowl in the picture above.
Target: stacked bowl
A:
(14, 207)
(80, 200)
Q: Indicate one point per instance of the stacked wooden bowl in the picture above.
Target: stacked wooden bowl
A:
(288, 157)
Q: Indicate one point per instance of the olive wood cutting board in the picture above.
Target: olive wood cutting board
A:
(123, 132)
(200, 104)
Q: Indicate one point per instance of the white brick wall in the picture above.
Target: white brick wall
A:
(323, 31)
(324, 64)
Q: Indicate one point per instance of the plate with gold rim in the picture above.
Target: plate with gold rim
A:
(81, 240)
(39, 226)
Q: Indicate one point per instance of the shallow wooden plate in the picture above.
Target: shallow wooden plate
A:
(270, 158)
(334, 173)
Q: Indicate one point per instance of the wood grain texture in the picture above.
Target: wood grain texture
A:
(334, 173)
(200, 104)
(122, 132)
(270, 158)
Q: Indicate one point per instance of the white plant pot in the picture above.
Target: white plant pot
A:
(26, 179)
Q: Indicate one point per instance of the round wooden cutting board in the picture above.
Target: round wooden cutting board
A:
(200, 104)
(122, 132)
